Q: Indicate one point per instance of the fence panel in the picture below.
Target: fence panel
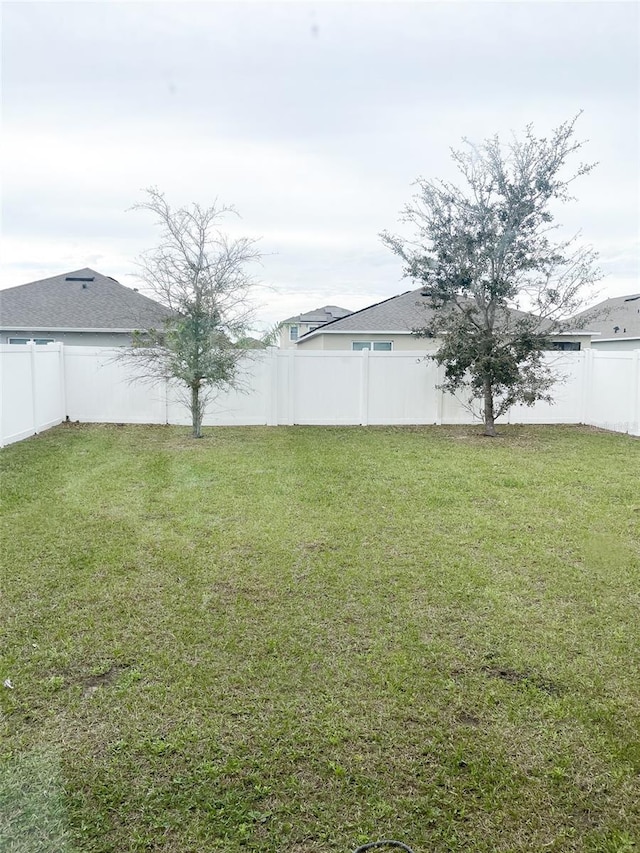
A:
(17, 417)
(31, 390)
(401, 389)
(326, 388)
(247, 404)
(102, 389)
(42, 384)
(48, 386)
(614, 391)
(567, 394)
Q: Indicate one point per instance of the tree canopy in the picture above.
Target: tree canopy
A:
(201, 274)
(498, 282)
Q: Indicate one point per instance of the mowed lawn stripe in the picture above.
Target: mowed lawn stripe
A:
(305, 638)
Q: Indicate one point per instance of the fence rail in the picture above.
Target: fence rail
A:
(40, 386)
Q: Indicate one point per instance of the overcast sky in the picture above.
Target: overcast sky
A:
(312, 119)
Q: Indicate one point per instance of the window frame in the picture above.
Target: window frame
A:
(565, 346)
(15, 341)
(372, 346)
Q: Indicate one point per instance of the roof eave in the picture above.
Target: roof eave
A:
(619, 338)
(322, 331)
(6, 328)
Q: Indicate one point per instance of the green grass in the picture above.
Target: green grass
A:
(301, 639)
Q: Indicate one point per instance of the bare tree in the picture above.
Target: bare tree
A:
(484, 251)
(201, 275)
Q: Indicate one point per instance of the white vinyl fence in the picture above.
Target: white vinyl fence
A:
(32, 395)
(43, 385)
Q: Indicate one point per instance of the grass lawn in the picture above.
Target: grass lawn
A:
(301, 639)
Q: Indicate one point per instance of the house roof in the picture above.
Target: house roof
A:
(622, 312)
(80, 300)
(401, 313)
(320, 315)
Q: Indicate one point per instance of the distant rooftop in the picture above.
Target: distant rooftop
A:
(618, 317)
(326, 314)
(401, 313)
(82, 299)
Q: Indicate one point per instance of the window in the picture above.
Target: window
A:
(293, 333)
(30, 340)
(565, 345)
(376, 346)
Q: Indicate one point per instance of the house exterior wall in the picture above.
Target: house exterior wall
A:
(333, 341)
(616, 345)
(285, 336)
(584, 340)
(81, 339)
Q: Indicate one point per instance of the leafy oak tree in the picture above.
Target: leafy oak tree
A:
(498, 284)
(201, 275)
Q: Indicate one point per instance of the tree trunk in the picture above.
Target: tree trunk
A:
(489, 417)
(196, 412)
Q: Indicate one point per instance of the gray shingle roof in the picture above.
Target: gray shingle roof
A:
(99, 302)
(398, 314)
(401, 313)
(621, 311)
(319, 315)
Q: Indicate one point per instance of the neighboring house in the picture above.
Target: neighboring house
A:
(294, 328)
(388, 326)
(79, 308)
(616, 322)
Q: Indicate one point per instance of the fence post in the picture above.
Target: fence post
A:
(364, 388)
(164, 400)
(34, 402)
(439, 395)
(63, 384)
(291, 397)
(272, 400)
(1, 396)
(587, 386)
(634, 420)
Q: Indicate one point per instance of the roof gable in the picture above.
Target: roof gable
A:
(82, 299)
(400, 313)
